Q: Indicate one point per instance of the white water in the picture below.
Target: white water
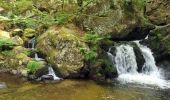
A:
(125, 60)
(37, 58)
(52, 73)
(126, 65)
(32, 43)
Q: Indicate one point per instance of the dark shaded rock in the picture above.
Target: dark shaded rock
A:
(139, 57)
(166, 66)
(102, 68)
(47, 77)
(41, 72)
(159, 43)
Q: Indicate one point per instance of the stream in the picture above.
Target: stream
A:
(18, 89)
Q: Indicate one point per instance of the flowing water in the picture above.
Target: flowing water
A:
(18, 89)
(126, 65)
(52, 73)
(31, 45)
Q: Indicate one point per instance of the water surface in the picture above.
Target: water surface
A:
(18, 89)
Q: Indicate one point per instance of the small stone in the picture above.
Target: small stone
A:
(1, 9)
(14, 72)
(4, 34)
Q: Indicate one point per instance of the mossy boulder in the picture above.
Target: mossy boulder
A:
(62, 46)
(158, 11)
(28, 33)
(119, 18)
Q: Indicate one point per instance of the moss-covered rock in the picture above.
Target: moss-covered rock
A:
(158, 11)
(56, 5)
(62, 48)
(14, 60)
(28, 33)
(17, 40)
(115, 17)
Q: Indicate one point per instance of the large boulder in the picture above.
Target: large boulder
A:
(122, 19)
(158, 11)
(62, 45)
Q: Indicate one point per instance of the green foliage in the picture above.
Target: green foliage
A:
(6, 53)
(93, 38)
(6, 43)
(33, 66)
(140, 3)
(93, 41)
(62, 18)
(35, 18)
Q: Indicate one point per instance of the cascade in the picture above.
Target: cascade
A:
(52, 73)
(31, 45)
(126, 65)
(37, 58)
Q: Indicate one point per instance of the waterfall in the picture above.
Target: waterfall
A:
(31, 43)
(52, 73)
(126, 65)
(149, 66)
(37, 58)
(125, 59)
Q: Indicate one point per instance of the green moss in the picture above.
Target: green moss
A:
(17, 7)
(33, 66)
(7, 53)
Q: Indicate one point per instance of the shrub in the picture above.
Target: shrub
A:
(33, 66)
(93, 40)
(6, 43)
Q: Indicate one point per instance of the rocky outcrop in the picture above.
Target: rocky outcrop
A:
(56, 5)
(122, 19)
(158, 11)
(61, 45)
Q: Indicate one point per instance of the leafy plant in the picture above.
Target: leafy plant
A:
(33, 66)
(6, 43)
(93, 40)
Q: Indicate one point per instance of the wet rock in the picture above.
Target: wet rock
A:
(158, 41)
